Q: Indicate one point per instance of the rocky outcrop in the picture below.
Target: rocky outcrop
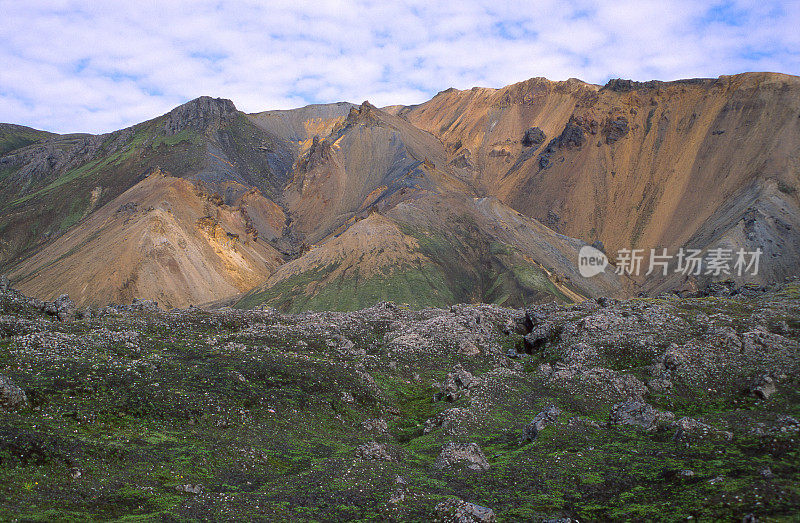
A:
(638, 414)
(11, 396)
(459, 511)
(199, 115)
(547, 417)
(573, 136)
(533, 137)
(373, 451)
(615, 129)
(468, 455)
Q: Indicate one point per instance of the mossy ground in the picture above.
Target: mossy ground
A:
(125, 411)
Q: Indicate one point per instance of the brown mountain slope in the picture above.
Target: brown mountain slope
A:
(163, 239)
(370, 159)
(632, 165)
(55, 181)
(434, 250)
(298, 127)
(478, 195)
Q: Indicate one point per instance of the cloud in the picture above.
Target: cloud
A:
(76, 66)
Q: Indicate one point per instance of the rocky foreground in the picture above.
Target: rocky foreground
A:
(662, 409)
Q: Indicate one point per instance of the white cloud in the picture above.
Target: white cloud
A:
(72, 65)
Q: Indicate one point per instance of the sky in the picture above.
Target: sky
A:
(98, 66)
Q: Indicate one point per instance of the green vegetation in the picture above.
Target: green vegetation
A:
(419, 287)
(233, 415)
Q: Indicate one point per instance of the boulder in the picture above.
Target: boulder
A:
(457, 510)
(764, 387)
(373, 451)
(469, 454)
(11, 396)
(63, 308)
(533, 137)
(638, 414)
(456, 381)
(547, 417)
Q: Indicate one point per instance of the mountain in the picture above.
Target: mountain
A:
(649, 165)
(483, 195)
(162, 238)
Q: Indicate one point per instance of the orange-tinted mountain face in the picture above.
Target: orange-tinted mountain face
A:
(485, 195)
(648, 165)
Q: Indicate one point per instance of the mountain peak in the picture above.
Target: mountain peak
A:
(199, 114)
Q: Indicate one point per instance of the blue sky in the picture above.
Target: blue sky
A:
(82, 66)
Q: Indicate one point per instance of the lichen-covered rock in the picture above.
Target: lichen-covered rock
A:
(690, 427)
(547, 417)
(639, 414)
(451, 421)
(456, 381)
(467, 454)
(459, 511)
(764, 387)
(11, 396)
(373, 451)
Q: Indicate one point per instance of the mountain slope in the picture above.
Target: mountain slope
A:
(163, 239)
(435, 250)
(477, 195)
(631, 165)
(370, 159)
(52, 184)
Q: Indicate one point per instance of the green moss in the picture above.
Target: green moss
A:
(418, 287)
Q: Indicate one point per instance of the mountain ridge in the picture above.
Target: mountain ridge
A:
(628, 164)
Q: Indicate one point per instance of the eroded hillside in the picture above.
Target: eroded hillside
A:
(484, 195)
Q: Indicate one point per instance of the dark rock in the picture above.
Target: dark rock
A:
(373, 451)
(637, 413)
(719, 289)
(540, 336)
(547, 417)
(533, 137)
(616, 129)
(597, 244)
(605, 301)
(11, 396)
(469, 454)
(463, 160)
(764, 387)
(499, 152)
(459, 511)
(571, 136)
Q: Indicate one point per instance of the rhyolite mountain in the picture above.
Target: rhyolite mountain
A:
(483, 195)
